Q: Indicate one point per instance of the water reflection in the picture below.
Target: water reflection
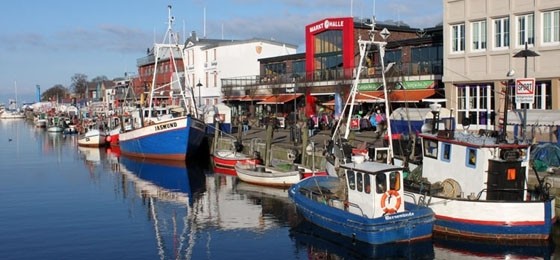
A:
(455, 248)
(323, 244)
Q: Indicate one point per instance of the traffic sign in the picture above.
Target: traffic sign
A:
(525, 90)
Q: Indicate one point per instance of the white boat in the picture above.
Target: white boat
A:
(273, 176)
(93, 138)
(8, 114)
(360, 199)
(477, 186)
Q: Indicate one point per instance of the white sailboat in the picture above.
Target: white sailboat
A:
(12, 111)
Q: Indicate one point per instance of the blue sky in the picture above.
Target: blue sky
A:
(46, 42)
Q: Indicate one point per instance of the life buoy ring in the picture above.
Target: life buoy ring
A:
(388, 195)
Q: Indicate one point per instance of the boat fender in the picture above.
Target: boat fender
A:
(387, 196)
(292, 154)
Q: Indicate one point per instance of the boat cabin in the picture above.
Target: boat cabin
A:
(473, 166)
(374, 189)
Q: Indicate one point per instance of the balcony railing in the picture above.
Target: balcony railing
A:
(338, 74)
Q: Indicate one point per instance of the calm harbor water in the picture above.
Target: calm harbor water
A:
(60, 201)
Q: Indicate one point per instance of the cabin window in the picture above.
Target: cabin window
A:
(380, 183)
(471, 157)
(446, 152)
(430, 148)
(395, 181)
(351, 179)
(360, 182)
(367, 181)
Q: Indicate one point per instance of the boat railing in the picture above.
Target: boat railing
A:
(421, 201)
(327, 197)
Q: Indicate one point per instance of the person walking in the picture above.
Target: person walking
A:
(245, 123)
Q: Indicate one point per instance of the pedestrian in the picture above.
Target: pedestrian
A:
(311, 126)
(245, 123)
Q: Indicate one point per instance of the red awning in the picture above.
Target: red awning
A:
(247, 98)
(279, 99)
(411, 95)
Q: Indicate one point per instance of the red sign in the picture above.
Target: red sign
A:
(525, 90)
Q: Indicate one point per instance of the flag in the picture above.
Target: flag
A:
(337, 103)
(309, 104)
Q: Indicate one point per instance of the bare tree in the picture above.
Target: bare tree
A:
(79, 84)
(54, 93)
(99, 79)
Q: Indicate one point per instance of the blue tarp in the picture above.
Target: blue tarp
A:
(548, 153)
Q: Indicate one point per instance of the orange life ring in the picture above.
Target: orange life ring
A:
(386, 208)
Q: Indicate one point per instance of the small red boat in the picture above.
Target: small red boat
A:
(225, 160)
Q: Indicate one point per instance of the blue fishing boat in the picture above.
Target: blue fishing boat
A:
(172, 139)
(164, 132)
(365, 203)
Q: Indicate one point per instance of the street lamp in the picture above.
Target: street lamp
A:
(199, 85)
(524, 54)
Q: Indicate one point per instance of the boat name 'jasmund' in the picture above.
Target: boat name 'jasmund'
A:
(165, 126)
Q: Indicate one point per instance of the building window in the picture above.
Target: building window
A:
(501, 33)
(478, 35)
(551, 27)
(458, 38)
(475, 105)
(525, 29)
(543, 98)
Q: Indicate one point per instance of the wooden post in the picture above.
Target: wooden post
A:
(304, 142)
(216, 136)
(267, 151)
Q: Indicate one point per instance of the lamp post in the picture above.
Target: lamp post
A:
(524, 54)
(510, 75)
(199, 85)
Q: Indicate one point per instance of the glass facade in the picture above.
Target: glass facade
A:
(328, 54)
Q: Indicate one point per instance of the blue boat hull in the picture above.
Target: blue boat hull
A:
(413, 224)
(169, 140)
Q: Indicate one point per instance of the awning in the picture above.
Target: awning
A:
(362, 97)
(279, 99)
(247, 98)
(535, 117)
(411, 95)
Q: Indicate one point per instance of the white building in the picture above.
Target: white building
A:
(207, 61)
(481, 38)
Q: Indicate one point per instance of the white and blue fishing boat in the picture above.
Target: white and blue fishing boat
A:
(477, 185)
(366, 204)
(162, 133)
(360, 198)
